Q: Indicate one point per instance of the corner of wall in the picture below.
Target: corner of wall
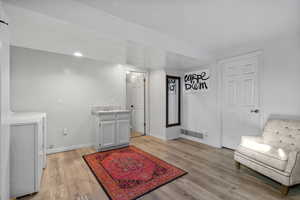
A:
(4, 108)
(157, 103)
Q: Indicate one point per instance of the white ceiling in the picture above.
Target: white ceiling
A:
(209, 24)
(45, 25)
(183, 28)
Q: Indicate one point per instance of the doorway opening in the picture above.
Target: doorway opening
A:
(136, 102)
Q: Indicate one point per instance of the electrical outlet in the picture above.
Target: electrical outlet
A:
(205, 133)
(65, 132)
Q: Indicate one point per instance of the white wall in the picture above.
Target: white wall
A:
(157, 104)
(64, 87)
(201, 110)
(281, 82)
(4, 108)
(280, 86)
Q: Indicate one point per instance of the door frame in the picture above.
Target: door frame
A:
(146, 98)
(259, 55)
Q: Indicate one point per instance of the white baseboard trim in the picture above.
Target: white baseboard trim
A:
(191, 138)
(68, 148)
(159, 137)
(198, 140)
(172, 137)
(165, 138)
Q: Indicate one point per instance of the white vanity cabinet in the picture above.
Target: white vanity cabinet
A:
(112, 129)
(28, 152)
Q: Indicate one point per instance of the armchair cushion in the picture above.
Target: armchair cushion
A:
(255, 148)
(283, 133)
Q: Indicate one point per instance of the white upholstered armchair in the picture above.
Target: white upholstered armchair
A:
(275, 154)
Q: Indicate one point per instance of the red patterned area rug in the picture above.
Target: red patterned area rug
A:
(129, 173)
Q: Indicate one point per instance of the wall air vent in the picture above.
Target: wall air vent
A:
(192, 133)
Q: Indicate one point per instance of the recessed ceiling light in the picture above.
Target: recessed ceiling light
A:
(77, 54)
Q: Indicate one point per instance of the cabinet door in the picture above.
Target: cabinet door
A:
(40, 152)
(45, 141)
(123, 131)
(23, 160)
(107, 133)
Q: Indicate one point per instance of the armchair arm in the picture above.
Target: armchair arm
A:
(252, 138)
(249, 140)
(293, 166)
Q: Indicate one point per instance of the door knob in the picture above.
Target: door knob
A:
(254, 111)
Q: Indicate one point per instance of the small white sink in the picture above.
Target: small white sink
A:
(97, 112)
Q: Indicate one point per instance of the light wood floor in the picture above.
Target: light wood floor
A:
(136, 134)
(212, 175)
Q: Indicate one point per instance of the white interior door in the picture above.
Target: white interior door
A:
(240, 100)
(136, 100)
